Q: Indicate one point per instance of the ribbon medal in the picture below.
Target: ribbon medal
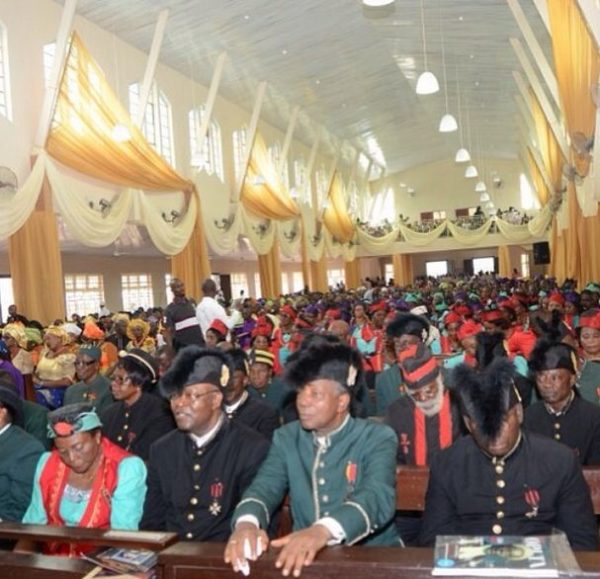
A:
(351, 472)
(216, 491)
(532, 498)
(404, 442)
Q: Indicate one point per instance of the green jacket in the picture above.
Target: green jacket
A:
(349, 476)
(97, 392)
(387, 388)
(36, 422)
(19, 454)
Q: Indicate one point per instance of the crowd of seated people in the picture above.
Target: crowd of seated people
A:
(133, 421)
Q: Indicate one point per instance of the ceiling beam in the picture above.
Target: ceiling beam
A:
(288, 139)
(527, 117)
(535, 48)
(591, 13)
(534, 81)
(542, 8)
(310, 168)
(251, 135)
(60, 56)
(210, 101)
(159, 33)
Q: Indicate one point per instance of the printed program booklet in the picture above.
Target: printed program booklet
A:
(496, 556)
(120, 560)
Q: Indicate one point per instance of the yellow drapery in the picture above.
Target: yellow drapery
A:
(81, 135)
(269, 269)
(191, 265)
(336, 217)
(565, 258)
(577, 65)
(549, 148)
(318, 276)
(352, 273)
(36, 268)
(538, 181)
(504, 264)
(403, 271)
(304, 257)
(264, 193)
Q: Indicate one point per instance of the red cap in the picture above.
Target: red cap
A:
(452, 318)
(491, 315)
(219, 326)
(468, 329)
(378, 307)
(556, 297)
(288, 311)
(590, 321)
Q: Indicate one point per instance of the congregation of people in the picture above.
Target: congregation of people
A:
(201, 418)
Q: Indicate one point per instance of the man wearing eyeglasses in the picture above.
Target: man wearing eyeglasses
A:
(93, 387)
(198, 472)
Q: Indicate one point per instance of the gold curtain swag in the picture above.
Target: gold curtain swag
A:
(538, 180)
(191, 265)
(336, 217)
(504, 263)
(318, 276)
(577, 66)
(352, 273)
(269, 270)
(81, 134)
(263, 192)
(403, 270)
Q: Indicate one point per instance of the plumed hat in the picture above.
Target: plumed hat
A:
(485, 395)
(419, 368)
(408, 324)
(549, 355)
(490, 346)
(323, 357)
(196, 365)
(239, 360)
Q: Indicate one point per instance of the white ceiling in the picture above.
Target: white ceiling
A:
(350, 69)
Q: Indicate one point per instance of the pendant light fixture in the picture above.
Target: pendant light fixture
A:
(462, 155)
(427, 83)
(480, 187)
(448, 122)
(471, 170)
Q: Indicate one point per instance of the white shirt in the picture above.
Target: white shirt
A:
(208, 310)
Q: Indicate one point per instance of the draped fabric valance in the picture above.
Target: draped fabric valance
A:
(336, 216)
(81, 135)
(264, 193)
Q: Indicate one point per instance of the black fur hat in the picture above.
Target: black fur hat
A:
(239, 360)
(485, 395)
(490, 346)
(408, 324)
(549, 355)
(324, 357)
(194, 365)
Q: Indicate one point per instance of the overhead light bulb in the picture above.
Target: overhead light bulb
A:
(462, 156)
(480, 187)
(121, 133)
(448, 124)
(427, 83)
(471, 172)
(484, 197)
(377, 3)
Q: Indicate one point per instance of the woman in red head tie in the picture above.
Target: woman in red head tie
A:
(588, 382)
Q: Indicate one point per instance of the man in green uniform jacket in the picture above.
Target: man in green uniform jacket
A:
(19, 454)
(339, 471)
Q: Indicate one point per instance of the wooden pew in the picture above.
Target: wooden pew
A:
(37, 566)
(411, 487)
(193, 560)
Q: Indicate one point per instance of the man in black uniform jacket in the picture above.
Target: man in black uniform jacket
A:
(182, 325)
(561, 414)
(197, 473)
(243, 408)
(500, 480)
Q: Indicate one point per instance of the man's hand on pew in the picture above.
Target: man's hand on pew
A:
(299, 549)
(247, 543)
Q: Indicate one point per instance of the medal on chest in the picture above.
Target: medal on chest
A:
(404, 442)
(532, 498)
(351, 473)
(216, 492)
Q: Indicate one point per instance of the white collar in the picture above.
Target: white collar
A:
(231, 408)
(5, 428)
(203, 440)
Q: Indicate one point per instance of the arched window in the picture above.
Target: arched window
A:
(157, 124)
(239, 152)
(275, 154)
(5, 100)
(207, 155)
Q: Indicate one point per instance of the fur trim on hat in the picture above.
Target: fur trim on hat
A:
(174, 380)
(323, 357)
(549, 355)
(408, 324)
(485, 395)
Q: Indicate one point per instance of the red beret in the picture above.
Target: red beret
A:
(557, 298)
(468, 329)
(219, 326)
(590, 321)
(378, 307)
(452, 318)
(491, 315)
(288, 311)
